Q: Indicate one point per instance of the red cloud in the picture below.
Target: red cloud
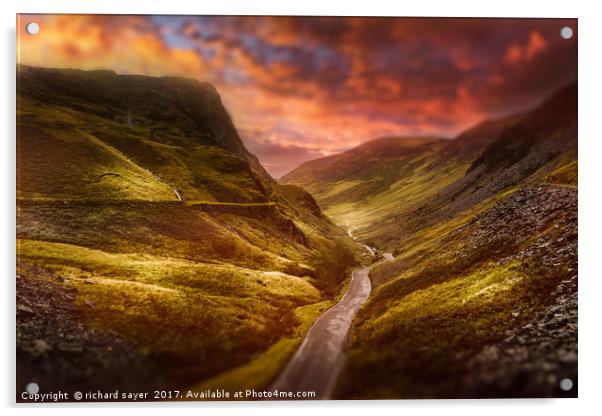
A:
(324, 84)
(516, 54)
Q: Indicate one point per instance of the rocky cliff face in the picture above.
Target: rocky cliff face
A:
(165, 105)
(538, 137)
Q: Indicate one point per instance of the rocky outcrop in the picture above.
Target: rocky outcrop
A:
(537, 353)
(56, 348)
(535, 357)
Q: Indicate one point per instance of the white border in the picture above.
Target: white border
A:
(590, 107)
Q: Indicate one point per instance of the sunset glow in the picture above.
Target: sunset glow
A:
(300, 88)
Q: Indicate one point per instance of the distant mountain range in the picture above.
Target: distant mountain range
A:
(389, 187)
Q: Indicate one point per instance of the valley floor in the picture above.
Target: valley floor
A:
(316, 365)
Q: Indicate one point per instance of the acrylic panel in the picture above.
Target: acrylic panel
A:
(295, 208)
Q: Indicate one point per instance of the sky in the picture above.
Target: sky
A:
(299, 88)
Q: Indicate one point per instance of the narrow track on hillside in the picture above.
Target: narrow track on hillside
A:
(316, 365)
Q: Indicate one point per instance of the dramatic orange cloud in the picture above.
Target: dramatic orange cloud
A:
(302, 87)
(129, 44)
(536, 44)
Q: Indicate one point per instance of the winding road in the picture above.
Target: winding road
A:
(318, 361)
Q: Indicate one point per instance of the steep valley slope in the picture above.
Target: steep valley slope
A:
(153, 250)
(481, 299)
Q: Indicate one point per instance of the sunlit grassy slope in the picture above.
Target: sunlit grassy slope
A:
(367, 187)
(71, 148)
(484, 229)
(138, 192)
(211, 315)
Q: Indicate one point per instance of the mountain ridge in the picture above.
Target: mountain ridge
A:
(484, 231)
(140, 206)
(353, 181)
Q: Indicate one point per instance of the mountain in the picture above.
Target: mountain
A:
(144, 226)
(175, 127)
(365, 170)
(154, 251)
(481, 298)
(417, 180)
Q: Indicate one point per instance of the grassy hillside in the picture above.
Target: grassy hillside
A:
(481, 299)
(140, 208)
(367, 188)
(388, 189)
(483, 305)
(92, 130)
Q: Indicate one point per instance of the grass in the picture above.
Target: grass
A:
(340, 187)
(235, 204)
(199, 291)
(170, 272)
(416, 348)
(566, 174)
(426, 237)
(167, 229)
(56, 164)
(432, 308)
(209, 316)
(483, 285)
(374, 213)
(74, 144)
(203, 294)
(263, 369)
